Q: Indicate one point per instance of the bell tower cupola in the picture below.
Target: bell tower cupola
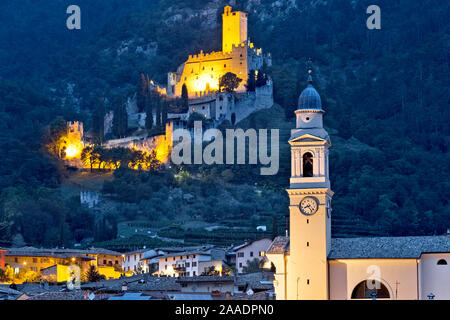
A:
(309, 112)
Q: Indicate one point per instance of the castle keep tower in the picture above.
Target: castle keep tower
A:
(234, 29)
(310, 201)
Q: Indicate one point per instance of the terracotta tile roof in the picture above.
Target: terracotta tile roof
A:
(256, 281)
(279, 245)
(256, 296)
(411, 247)
(205, 279)
(387, 247)
(59, 253)
(71, 295)
(142, 282)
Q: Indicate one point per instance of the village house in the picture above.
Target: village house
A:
(249, 251)
(59, 264)
(191, 263)
(133, 261)
(216, 285)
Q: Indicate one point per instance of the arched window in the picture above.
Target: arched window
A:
(308, 165)
(369, 289)
(442, 262)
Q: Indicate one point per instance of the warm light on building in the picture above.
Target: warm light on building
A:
(73, 151)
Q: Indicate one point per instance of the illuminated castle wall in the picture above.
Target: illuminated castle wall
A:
(74, 140)
(201, 72)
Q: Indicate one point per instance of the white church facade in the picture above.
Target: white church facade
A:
(311, 265)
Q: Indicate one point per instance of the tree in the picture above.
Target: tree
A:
(149, 112)
(229, 82)
(92, 275)
(98, 128)
(55, 137)
(211, 271)
(158, 103)
(120, 120)
(184, 98)
(252, 266)
(164, 113)
(251, 81)
(142, 93)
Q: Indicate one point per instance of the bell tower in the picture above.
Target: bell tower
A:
(309, 201)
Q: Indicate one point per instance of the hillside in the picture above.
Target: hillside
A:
(385, 93)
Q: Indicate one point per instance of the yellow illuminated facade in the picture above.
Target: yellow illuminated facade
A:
(201, 73)
(234, 29)
(74, 140)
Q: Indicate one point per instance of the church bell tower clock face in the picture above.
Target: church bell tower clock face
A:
(309, 205)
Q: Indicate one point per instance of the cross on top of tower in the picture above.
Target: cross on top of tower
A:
(309, 68)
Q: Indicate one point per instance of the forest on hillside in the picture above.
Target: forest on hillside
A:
(386, 89)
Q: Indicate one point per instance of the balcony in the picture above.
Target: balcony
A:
(179, 268)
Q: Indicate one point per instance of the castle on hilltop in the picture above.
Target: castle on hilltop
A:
(201, 73)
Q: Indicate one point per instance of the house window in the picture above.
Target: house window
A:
(240, 264)
(307, 244)
(307, 164)
(104, 261)
(16, 260)
(193, 273)
(307, 281)
(35, 260)
(251, 253)
(442, 262)
(224, 65)
(194, 264)
(240, 254)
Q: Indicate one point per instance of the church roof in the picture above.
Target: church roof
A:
(387, 247)
(411, 247)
